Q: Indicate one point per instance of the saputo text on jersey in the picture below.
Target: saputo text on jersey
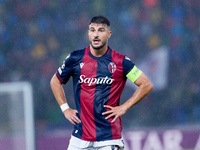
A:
(100, 80)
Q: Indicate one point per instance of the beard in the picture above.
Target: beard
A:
(98, 47)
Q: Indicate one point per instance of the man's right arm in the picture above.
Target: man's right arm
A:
(59, 94)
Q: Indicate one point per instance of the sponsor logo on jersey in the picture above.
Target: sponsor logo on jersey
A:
(91, 81)
(112, 67)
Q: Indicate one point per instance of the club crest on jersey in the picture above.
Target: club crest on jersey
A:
(112, 67)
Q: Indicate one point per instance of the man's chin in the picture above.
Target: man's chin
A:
(97, 47)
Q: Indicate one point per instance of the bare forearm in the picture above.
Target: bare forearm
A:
(140, 93)
(59, 94)
(144, 88)
(58, 90)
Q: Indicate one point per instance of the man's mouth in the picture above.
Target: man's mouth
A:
(96, 41)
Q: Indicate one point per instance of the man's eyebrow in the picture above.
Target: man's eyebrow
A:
(102, 28)
(91, 28)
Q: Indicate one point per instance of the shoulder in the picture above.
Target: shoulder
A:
(120, 56)
(76, 55)
(123, 60)
(116, 54)
(117, 57)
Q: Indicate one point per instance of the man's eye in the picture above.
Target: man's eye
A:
(92, 30)
(102, 30)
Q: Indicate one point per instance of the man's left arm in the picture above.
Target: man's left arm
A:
(144, 88)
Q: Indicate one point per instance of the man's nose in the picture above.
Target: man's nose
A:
(96, 34)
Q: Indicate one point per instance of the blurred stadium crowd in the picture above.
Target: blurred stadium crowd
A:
(37, 35)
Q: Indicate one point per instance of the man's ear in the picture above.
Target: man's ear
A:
(110, 33)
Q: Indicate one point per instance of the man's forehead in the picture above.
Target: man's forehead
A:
(98, 25)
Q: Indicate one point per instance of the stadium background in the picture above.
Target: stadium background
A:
(37, 35)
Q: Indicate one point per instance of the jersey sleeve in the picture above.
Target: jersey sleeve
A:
(65, 70)
(130, 70)
(134, 74)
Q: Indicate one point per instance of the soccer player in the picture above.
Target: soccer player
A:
(99, 76)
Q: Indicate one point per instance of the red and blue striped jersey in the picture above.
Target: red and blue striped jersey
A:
(97, 81)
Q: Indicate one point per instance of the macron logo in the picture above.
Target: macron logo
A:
(81, 65)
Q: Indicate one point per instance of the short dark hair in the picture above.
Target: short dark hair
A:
(100, 20)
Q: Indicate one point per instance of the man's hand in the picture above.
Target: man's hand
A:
(114, 112)
(70, 114)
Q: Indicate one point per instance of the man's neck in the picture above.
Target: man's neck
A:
(98, 52)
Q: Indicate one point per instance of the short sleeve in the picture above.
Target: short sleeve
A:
(134, 74)
(130, 70)
(127, 65)
(65, 70)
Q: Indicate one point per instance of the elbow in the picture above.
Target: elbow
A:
(148, 87)
(53, 80)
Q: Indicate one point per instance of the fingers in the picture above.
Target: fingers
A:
(107, 106)
(71, 116)
(112, 113)
(109, 111)
(110, 116)
(114, 119)
(74, 120)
